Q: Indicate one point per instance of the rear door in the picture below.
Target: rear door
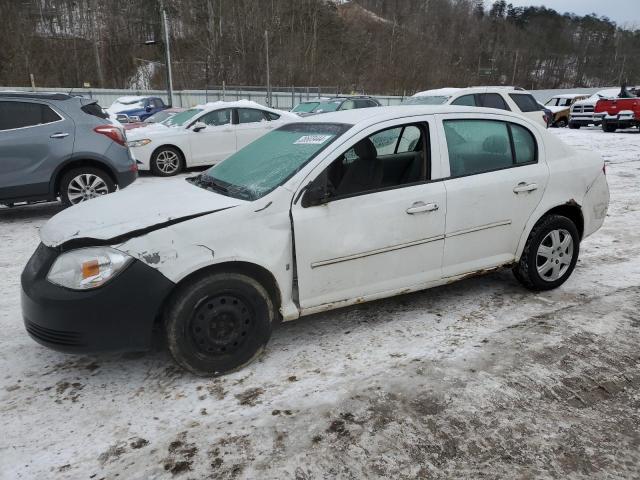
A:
(35, 138)
(497, 176)
(251, 124)
(215, 142)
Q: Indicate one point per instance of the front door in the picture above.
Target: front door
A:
(382, 228)
(34, 140)
(498, 174)
(215, 142)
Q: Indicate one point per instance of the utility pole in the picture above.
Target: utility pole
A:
(167, 55)
(266, 43)
(96, 40)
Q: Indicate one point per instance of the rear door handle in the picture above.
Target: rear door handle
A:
(420, 207)
(59, 135)
(525, 187)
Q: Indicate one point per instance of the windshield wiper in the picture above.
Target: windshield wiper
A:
(208, 182)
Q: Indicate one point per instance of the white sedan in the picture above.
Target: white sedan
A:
(202, 135)
(318, 214)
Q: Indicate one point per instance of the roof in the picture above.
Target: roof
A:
(438, 92)
(447, 92)
(571, 95)
(374, 115)
(38, 95)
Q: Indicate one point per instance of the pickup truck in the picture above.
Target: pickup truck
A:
(618, 113)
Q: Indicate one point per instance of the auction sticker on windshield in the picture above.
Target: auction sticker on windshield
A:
(312, 140)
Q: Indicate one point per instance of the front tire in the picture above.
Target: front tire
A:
(574, 126)
(218, 323)
(609, 128)
(561, 123)
(84, 183)
(550, 254)
(166, 162)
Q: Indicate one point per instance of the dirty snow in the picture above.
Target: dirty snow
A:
(478, 378)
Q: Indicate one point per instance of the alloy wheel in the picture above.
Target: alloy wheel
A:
(554, 255)
(168, 162)
(86, 186)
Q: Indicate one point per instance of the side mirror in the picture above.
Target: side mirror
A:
(199, 126)
(148, 108)
(315, 194)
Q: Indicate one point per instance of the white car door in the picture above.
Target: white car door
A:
(216, 141)
(251, 124)
(494, 185)
(382, 228)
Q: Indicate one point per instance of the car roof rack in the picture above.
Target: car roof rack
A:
(43, 95)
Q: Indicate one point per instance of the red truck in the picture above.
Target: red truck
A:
(618, 113)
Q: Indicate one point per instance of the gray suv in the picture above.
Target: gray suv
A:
(55, 145)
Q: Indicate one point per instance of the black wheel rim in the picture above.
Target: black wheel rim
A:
(220, 324)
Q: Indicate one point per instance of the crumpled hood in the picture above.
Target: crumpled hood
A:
(135, 209)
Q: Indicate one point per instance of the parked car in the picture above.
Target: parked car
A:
(340, 103)
(560, 106)
(308, 218)
(135, 108)
(582, 111)
(618, 113)
(202, 135)
(53, 145)
(307, 106)
(513, 99)
(159, 117)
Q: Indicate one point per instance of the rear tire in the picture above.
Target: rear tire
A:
(166, 162)
(84, 183)
(218, 323)
(550, 254)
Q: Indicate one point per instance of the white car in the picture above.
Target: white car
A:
(581, 114)
(202, 135)
(310, 217)
(503, 98)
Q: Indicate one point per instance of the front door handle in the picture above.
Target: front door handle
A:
(420, 207)
(525, 187)
(59, 135)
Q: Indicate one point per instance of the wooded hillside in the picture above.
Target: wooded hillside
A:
(379, 46)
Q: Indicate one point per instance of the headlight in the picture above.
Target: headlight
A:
(134, 119)
(139, 143)
(87, 268)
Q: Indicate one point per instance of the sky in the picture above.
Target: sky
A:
(623, 12)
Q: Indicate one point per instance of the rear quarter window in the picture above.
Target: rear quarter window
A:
(525, 102)
(95, 110)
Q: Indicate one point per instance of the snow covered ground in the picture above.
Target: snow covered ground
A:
(476, 379)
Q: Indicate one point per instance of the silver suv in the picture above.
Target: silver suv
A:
(53, 145)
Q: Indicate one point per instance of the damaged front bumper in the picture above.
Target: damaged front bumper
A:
(116, 316)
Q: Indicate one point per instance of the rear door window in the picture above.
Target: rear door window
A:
(25, 114)
(525, 102)
(479, 146)
(250, 115)
(493, 100)
(465, 100)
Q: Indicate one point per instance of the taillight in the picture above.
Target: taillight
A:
(114, 133)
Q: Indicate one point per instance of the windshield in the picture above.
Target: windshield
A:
(181, 118)
(305, 107)
(271, 160)
(159, 117)
(425, 100)
(331, 106)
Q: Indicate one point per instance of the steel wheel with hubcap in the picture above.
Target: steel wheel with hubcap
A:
(82, 184)
(166, 162)
(217, 323)
(550, 254)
